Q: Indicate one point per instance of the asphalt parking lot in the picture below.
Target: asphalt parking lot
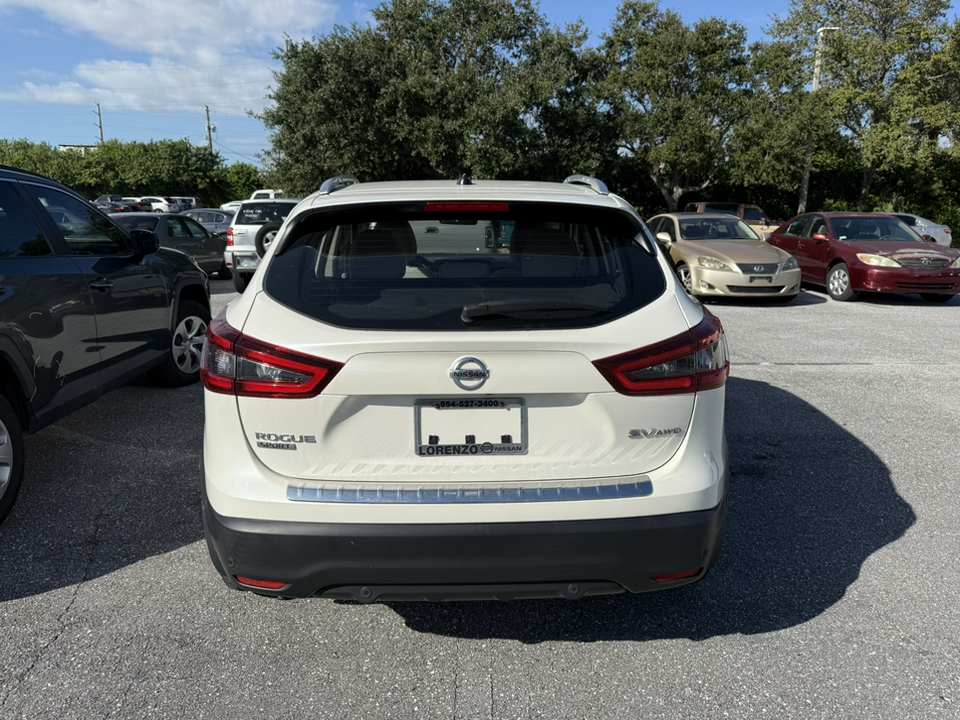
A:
(836, 595)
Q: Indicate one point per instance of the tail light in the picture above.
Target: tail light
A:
(235, 364)
(229, 237)
(692, 361)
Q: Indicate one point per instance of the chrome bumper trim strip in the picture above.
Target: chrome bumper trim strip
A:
(454, 496)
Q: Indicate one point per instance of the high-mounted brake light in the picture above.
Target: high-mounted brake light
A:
(470, 207)
(235, 364)
(692, 361)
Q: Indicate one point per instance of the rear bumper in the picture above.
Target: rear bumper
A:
(370, 562)
(242, 259)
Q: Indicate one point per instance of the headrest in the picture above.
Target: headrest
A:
(375, 255)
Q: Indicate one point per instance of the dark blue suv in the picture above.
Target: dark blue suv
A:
(85, 306)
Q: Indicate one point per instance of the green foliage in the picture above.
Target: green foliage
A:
(664, 111)
(679, 92)
(242, 180)
(164, 167)
(872, 76)
(435, 89)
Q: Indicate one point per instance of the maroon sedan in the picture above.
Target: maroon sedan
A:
(850, 253)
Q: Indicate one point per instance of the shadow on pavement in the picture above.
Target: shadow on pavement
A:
(118, 482)
(105, 487)
(809, 503)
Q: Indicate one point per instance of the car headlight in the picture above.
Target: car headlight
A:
(711, 263)
(790, 264)
(877, 260)
(955, 265)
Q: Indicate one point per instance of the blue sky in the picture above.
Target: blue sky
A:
(154, 66)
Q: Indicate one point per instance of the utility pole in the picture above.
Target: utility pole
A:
(100, 123)
(805, 183)
(210, 130)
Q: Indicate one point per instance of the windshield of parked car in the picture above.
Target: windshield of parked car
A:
(700, 229)
(260, 213)
(874, 228)
(136, 222)
(517, 266)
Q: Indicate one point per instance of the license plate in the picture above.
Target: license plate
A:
(470, 426)
(761, 278)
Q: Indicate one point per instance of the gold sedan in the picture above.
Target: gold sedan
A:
(718, 255)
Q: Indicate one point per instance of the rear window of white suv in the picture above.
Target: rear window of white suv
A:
(465, 266)
(261, 213)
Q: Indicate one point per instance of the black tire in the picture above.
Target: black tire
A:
(224, 272)
(838, 283)
(240, 281)
(182, 366)
(935, 297)
(265, 236)
(11, 457)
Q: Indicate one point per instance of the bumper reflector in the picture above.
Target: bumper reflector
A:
(263, 584)
(677, 576)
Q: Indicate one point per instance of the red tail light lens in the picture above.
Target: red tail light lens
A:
(230, 237)
(265, 584)
(692, 361)
(234, 364)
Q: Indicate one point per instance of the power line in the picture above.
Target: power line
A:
(234, 152)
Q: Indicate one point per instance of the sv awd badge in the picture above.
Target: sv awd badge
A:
(654, 433)
(273, 441)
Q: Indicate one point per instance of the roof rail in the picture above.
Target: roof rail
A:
(336, 183)
(591, 182)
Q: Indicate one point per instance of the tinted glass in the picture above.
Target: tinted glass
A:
(19, 234)
(726, 208)
(86, 231)
(396, 268)
(796, 227)
(874, 228)
(817, 227)
(716, 229)
(755, 215)
(194, 229)
(260, 213)
(137, 222)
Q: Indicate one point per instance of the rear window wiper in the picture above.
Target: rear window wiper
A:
(499, 308)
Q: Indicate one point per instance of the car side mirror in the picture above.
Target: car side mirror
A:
(664, 238)
(820, 238)
(928, 238)
(145, 242)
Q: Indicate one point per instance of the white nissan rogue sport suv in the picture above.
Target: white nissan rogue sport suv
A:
(459, 389)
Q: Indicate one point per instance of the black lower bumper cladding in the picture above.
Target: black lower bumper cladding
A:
(371, 562)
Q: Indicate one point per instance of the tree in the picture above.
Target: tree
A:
(679, 92)
(867, 68)
(242, 180)
(434, 89)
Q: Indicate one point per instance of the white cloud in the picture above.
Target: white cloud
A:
(200, 53)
